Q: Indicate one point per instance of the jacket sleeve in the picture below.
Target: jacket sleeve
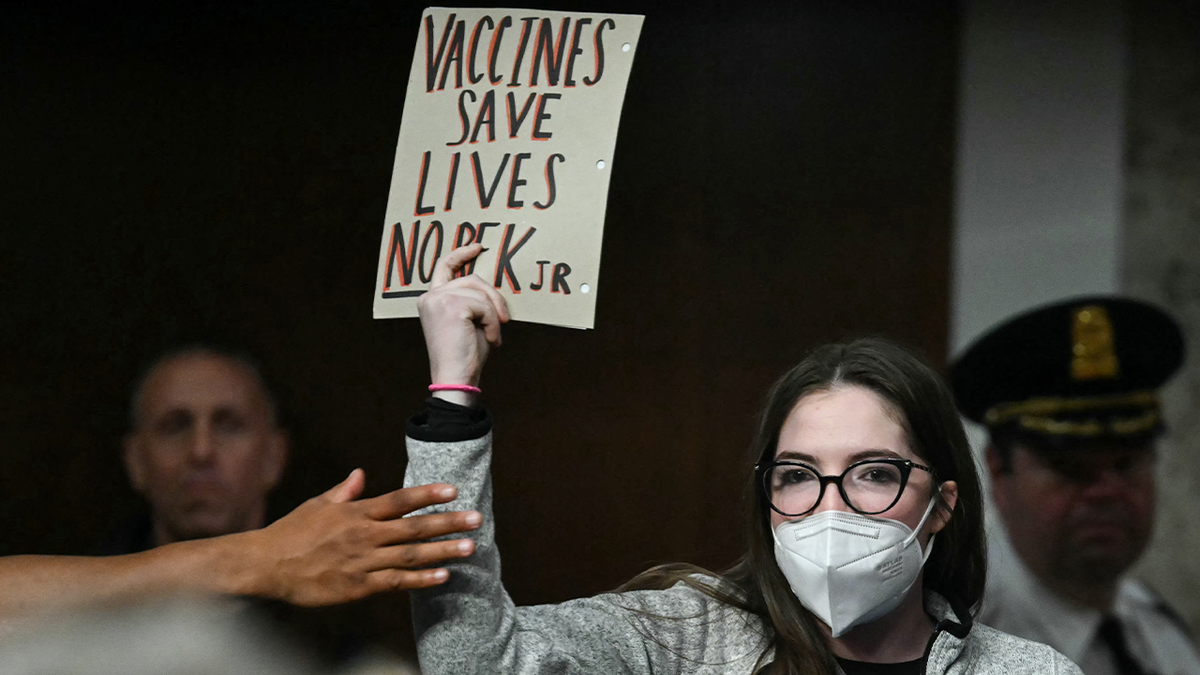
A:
(470, 625)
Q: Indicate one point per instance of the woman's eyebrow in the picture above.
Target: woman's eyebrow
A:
(870, 453)
(796, 456)
(875, 453)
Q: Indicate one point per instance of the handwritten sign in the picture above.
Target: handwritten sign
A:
(507, 139)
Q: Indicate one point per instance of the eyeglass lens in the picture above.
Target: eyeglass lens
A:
(871, 487)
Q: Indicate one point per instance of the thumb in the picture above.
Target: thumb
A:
(349, 489)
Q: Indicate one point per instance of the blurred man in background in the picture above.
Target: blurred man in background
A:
(205, 449)
(1069, 396)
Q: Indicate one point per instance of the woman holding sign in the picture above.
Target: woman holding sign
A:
(865, 541)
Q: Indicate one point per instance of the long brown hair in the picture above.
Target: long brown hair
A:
(957, 566)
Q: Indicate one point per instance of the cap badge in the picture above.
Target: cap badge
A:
(1093, 350)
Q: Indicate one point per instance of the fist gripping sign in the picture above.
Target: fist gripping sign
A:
(510, 121)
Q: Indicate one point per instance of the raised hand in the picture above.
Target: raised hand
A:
(461, 318)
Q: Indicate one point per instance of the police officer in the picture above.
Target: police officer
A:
(1069, 395)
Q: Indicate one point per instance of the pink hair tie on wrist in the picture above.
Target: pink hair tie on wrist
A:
(455, 387)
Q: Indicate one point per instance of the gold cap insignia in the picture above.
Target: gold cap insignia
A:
(1093, 351)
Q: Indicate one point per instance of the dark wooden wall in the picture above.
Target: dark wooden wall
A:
(782, 178)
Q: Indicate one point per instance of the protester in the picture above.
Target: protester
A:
(1069, 394)
(865, 546)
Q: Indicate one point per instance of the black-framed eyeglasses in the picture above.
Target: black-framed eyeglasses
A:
(869, 487)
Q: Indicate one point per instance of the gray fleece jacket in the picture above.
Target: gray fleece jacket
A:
(470, 625)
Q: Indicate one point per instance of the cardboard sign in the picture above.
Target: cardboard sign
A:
(507, 139)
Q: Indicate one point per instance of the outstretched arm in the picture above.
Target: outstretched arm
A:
(333, 548)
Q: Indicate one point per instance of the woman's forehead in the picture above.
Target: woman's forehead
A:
(842, 423)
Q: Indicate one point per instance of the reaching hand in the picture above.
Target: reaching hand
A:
(333, 549)
(461, 318)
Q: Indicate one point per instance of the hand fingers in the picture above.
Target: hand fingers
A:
(411, 556)
(464, 303)
(450, 263)
(402, 580)
(497, 300)
(398, 503)
(491, 327)
(496, 315)
(483, 312)
(428, 526)
(347, 490)
(483, 302)
(476, 283)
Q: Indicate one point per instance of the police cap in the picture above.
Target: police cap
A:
(1084, 368)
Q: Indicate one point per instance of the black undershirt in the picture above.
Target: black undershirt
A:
(916, 667)
(446, 422)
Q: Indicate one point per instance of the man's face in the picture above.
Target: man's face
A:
(1079, 516)
(206, 451)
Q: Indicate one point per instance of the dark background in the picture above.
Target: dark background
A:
(195, 170)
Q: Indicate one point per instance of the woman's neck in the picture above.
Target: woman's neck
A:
(899, 636)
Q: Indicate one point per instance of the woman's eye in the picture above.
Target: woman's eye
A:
(878, 475)
(795, 476)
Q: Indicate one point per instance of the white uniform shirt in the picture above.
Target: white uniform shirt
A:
(1016, 602)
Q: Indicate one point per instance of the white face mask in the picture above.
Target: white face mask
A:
(848, 568)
